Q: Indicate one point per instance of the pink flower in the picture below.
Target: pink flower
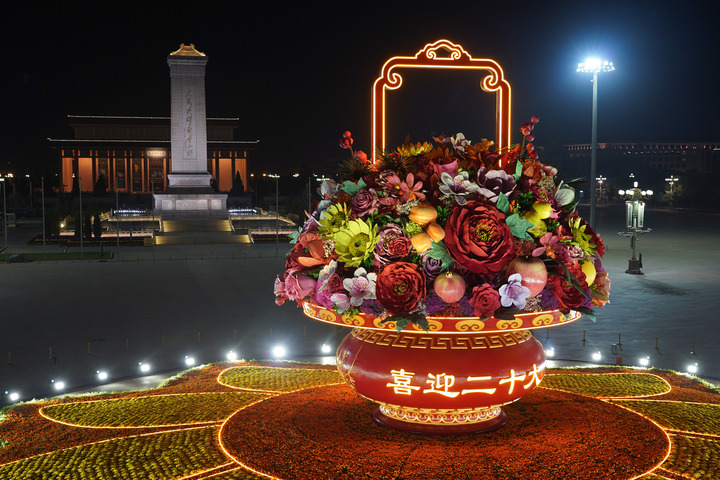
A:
(405, 191)
(299, 286)
(547, 241)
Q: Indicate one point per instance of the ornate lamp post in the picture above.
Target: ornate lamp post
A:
(594, 66)
(600, 190)
(671, 181)
(634, 221)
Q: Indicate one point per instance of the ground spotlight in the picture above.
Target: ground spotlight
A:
(550, 352)
(144, 367)
(597, 356)
(644, 361)
(231, 356)
(13, 396)
(102, 375)
(692, 368)
(326, 349)
(279, 351)
(189, 361)
(59, 386)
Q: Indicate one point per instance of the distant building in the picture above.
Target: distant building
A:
(666, 157)
(132, 154)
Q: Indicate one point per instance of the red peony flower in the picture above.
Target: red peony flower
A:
(570, 298)
(400, 287)
(485, 300)
(477, 237)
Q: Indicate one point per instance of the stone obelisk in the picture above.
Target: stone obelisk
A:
(189, 188)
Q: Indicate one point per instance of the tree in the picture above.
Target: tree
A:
(87, 226)
(100, 187)
(237, 186)
(97, 227)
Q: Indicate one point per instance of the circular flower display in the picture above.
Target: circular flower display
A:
(477, 236)
(400, 286)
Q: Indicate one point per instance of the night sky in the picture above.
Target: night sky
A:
(298, 74)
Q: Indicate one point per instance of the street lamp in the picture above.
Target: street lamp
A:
(634, 221)
(594, 66)
(671, 181)
(600, 181)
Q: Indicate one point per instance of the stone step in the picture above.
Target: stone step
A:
(199, 225)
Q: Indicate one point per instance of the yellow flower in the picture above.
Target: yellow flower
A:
(581, 238)
(333, 219)
(355, 242)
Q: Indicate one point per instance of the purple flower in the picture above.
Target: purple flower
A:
(432, 267)
(361, 286)
(494, 182)
(459, 186)
(340, 300)
(513, 292)
(364, 202)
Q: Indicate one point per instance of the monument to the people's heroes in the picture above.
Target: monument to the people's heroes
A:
(189, 189)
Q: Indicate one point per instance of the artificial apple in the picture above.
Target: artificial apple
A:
(450, 287)
(533, 273)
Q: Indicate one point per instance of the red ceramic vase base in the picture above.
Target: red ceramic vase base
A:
(439, 429)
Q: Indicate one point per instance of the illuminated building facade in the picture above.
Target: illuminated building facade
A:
(132, 154)
(681, 157)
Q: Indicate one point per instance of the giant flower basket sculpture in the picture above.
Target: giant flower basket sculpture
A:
(442, 257)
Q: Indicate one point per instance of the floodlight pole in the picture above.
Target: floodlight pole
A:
(4, 185)
(594, 65)
(593, 154)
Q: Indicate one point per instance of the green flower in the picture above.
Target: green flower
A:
(355, 242)
(333, 219)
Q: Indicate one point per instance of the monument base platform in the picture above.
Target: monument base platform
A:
(191, 203)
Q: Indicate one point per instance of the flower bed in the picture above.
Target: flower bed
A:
(329, 422)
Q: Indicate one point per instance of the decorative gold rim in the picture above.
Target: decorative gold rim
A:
(428, 416)
(457, 325)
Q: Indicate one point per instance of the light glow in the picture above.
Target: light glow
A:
(279, 351)
(457, 59)
(189, 361)
(144, 367)
(14, 396)
(692, 368)
(597, 356)
(231, 356)
(326, 348)
(595, 65)
(59, 386)
(644, 361)
(102, 375)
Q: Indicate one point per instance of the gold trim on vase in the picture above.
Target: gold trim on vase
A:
(427, 416)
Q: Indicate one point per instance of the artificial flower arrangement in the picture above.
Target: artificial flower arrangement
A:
(448, 228)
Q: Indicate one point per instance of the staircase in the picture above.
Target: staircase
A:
(199, 231)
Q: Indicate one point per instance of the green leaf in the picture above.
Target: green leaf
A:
(588, 312)
(439, 252)
(519, 226)
(503, 204)
(518, 171)
(352, 188)
(402, 323)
